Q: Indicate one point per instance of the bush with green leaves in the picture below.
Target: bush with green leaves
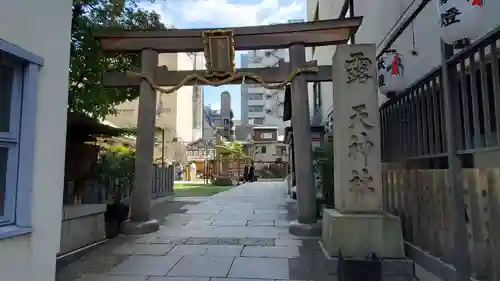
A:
(323, 172)
(116, 170)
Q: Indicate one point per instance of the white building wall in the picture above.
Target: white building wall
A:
(26, 23)
(184, 125)
(175, 110)
(273, 99)
(381, 18)
(272, 151)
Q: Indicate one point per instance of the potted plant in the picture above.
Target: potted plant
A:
(116, 173)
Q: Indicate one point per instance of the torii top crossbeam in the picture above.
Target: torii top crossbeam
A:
(317, 33)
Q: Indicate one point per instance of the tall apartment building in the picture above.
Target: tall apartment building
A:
(179, 114)
(260, 106)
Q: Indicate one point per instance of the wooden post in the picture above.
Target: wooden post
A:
(461, 256)
(140, 222)
(306, 194)
(291, 160)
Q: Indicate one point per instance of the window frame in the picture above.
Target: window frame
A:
(263, 149)
(261, 121)
(259, 107)
(10, 139)
(22, 137)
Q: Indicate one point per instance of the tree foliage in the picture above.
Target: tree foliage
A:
(86, 92)
(116, 169)
(233, 148)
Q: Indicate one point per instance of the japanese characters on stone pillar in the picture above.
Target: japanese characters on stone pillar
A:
(356, 129)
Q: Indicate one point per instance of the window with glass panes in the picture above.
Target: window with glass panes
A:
(10, 115)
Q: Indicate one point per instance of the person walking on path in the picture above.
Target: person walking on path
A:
(251, 173)
(179, 172)
(245, 173)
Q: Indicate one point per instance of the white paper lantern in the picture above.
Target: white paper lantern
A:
(390, 72)
(459, 19)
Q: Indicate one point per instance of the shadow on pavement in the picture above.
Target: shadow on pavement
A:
(100, 259)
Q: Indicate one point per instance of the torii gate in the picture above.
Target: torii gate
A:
(219, 47)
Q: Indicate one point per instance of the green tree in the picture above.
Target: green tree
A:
(115, 169)
(86, 92)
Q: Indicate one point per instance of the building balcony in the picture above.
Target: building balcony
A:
(257, 102)
(260, 114)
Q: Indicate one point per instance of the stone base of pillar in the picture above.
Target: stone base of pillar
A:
(357, 235)
(305, 229)
(136, 228)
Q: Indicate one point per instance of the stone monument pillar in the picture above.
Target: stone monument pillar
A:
(358, 225)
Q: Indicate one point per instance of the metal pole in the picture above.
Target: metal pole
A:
(461, 253)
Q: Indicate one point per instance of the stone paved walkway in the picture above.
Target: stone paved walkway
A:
(235, 235)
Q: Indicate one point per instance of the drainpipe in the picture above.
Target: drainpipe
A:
(351, 15)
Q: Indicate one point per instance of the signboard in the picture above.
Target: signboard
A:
(266, 135)
(219, 52)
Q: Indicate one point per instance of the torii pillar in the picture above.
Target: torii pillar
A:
(306, 223)
(140, 221)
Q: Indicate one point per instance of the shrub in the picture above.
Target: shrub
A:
(116, 170)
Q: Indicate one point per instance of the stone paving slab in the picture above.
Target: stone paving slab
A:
(229, 223)
(260, 223)
(178, 279)
(105, 277)
(260, 268)
(239, 279)
(187, 250)
(238, 235)
(146, 265)
(271, 252)
(288, 242)
(194, 266)
(163, 240)
(228, 241)
(257, 241)
(224, 250)
(143, 249)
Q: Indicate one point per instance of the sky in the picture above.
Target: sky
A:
(226, 13)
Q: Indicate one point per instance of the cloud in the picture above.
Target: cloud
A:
(225, 13)
(215, 106)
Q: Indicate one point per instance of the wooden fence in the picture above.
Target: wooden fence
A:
(163, 181)
(441, 157)
(423, 201)
(162, 185)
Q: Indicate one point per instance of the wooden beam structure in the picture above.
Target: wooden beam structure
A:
(164, 77)
(310, 34)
